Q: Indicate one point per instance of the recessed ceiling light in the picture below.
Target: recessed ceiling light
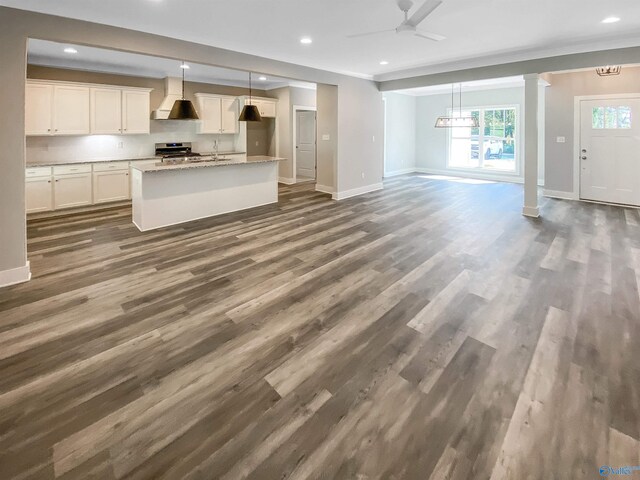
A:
(306, 40)
(263, 78)
(611, 20)
(70, 50)
(185, 66)
(384, 62)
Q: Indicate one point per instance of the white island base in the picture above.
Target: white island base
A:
(164, 195)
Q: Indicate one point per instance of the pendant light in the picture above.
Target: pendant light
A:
(250, 112)
(183, 109)
(452, 121)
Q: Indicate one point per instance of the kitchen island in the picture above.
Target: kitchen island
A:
(166, 194)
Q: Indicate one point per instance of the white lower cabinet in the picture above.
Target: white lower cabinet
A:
(72, 190)
(39, 192)
(111, 186)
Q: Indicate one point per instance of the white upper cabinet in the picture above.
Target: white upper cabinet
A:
(58, 108)
(71, 110)
(229, 115)
(210, 113)
(39, 109)
(106, 111)
(266, 106)
(218, 113)
(135, 112)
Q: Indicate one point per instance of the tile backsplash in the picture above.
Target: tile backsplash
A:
(70, 149)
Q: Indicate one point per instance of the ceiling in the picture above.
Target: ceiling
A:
(477, 31)
(51, 54)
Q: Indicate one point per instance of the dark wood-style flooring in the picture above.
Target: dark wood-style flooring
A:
(426, 331)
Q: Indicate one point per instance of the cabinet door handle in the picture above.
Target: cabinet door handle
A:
(48, 181)
(56, 179)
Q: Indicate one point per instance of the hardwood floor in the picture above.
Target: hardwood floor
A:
(426, 331)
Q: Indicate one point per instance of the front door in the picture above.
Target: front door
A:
(610, 150)
(305, 145)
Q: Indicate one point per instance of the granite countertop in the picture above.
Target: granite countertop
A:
(82, 162)
(102, 160)
(162, 167)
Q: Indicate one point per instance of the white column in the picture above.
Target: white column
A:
(530, 208)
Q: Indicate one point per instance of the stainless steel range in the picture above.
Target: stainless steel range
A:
(175, 152)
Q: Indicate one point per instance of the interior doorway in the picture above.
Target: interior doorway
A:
(304, 137)
(609, 149)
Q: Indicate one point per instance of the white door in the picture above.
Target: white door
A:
(106, 111)
(72, 190)
(610, 150)
(135, 112)
(110, 186)
(39, 194)
(71, 111)
(306, 144)
(210, 114)
(39, 108)
(229, 115)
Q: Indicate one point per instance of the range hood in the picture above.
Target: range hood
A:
(172, 93)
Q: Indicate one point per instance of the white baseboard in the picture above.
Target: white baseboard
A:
(357, 191)
(15, 275)
(403, 171)
(477, 176)
(533, 212)
(324, 188)
(560, 194)
(286, 180)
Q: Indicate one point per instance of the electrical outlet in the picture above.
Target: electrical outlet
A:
(373, 139)
(326, 137)
(560, 139)
(363, 175)
(257, 143)
(120, 144)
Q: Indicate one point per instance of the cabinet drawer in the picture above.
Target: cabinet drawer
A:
(110, 166)
(65, 169)
(38, 172)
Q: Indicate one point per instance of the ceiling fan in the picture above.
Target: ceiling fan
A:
(410, 24)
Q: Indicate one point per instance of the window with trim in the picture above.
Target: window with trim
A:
(610, 117)
(491, 146)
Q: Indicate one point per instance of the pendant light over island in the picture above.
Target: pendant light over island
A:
(183, 109)
(250, 113)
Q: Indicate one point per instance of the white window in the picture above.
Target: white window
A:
(610, 117)
(491, 146)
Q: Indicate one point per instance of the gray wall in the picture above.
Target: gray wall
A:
(327, 122)
(361, 134)
(287, 98)
(400, 132)
(560, 114)
(354, 152)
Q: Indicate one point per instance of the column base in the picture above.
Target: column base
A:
(533, 212)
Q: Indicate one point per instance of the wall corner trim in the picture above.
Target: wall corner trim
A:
(357, 191)
(324, 189)
(286, 180)
(15, 275)
(560, 194)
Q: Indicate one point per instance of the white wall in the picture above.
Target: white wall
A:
(400, 133)
(432, 144)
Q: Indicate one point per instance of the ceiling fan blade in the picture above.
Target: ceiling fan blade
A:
(367, 34)
(430, 36)
(423, 12)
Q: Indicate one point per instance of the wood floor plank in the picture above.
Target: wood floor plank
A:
(426, 330)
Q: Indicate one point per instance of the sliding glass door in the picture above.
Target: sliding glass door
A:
(492, 146)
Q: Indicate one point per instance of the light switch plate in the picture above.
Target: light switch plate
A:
(560, 139)
(326, 137)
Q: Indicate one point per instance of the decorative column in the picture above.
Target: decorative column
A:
(530, 208)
